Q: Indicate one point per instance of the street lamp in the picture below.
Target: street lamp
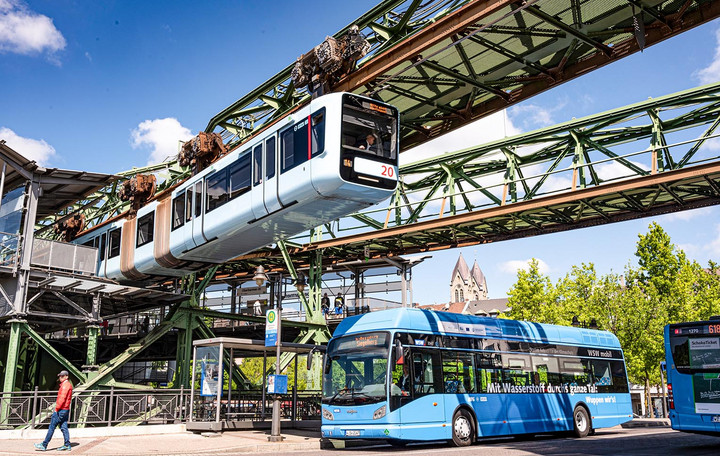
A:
(260, 277)
(300, 283)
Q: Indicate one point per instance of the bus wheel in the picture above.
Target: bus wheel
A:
(581, 422)
(462, 428)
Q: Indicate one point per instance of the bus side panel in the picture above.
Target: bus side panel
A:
(532, 413)
(491, 414)
(424, 419)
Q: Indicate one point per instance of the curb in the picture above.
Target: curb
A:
(645, 422)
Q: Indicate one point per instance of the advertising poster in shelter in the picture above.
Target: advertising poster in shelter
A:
(209, 370)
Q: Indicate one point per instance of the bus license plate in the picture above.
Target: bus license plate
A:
(716, 419)
(373, 168)
(350, 433)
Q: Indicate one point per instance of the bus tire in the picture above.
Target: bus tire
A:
(462, 428)
(581, 422)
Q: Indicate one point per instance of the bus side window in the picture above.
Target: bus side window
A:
(423, 374)
(575, 371)
(489, 377)
(458, 372)
(516, 370)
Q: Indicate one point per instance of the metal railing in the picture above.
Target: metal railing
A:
(256, 406)
(92, 408)
(79, 259)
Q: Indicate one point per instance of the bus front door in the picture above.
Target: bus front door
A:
(426, 403)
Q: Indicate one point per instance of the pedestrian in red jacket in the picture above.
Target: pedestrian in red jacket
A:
(61, 414)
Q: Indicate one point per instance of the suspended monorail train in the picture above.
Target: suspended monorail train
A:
(330, 158)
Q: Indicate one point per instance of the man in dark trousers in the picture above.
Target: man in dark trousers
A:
(60, 415)
(325, 305)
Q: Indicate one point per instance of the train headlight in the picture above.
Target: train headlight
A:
(379, 413)
(327, 414)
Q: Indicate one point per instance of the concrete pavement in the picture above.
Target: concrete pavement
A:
(183, 443)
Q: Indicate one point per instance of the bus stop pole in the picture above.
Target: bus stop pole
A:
(275, 430)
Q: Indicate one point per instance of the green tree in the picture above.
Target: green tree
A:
(664, 288)
(532, 296)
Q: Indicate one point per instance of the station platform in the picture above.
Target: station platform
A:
(176, 443)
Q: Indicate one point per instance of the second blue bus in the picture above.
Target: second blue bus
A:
(692, 356)
(417, 375)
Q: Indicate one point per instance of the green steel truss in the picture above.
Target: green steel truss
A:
(105, 203)
(539, 181)
(652, 157)
(444, 63)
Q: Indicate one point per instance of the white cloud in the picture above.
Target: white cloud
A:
(23, 31)
(615, 170)
(32, 149)
(684, 216)
(713, 248)
(513, 266)
(491, 128)
(161, 136)
(532, 116)
(711, 73)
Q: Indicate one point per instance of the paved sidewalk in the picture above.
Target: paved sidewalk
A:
(186, 443)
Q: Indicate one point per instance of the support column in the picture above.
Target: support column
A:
(315, 288)
(92, 347)
(11, 365)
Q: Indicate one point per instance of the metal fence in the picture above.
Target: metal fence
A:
(79, 259)
(32, 409)
(256, 406)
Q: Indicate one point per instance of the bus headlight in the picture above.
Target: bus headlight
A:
(327, 414)
(379, 413)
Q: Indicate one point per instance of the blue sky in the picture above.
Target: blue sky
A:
(105, 86)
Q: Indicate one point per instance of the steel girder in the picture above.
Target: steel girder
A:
(445, 63)
(636, 161)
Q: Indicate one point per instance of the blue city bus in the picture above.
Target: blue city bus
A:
(406, 375)
(692, 358)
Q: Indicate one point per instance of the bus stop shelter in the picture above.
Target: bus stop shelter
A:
(216, 407)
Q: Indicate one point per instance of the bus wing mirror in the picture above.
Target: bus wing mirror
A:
(310, 358)
(399, 353)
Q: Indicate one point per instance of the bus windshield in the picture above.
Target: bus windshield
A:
(356, 370)
(696, 349)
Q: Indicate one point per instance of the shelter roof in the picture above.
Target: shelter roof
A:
(254, 346)
(60, 187)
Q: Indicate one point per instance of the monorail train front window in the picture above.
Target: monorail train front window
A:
(356, 370)
(368, 128)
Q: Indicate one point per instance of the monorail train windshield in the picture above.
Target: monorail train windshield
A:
(355, 377)
(369, 135)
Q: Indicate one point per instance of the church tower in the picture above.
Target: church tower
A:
(467, 284)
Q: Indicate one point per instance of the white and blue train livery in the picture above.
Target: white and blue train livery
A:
(334, 156)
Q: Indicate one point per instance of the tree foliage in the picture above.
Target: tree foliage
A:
(664, 288)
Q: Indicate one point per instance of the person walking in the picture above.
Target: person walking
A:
(61, 414)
